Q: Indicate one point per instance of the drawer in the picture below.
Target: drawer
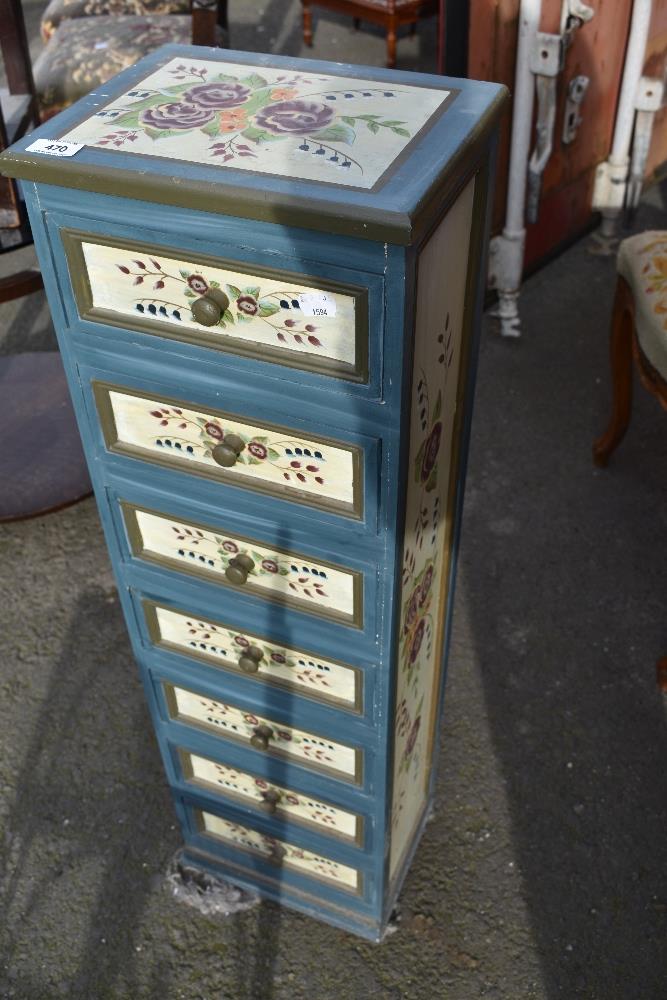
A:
(220, 446)
(263, 734)
(271, 798)
(278, 852)
(310, 323)
(222, 646)
(231, 560)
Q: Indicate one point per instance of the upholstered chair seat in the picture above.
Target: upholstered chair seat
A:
(642, 262)
(68, 10)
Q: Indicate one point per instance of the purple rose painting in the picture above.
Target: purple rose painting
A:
(176, 116)
(298, 117)
(431, 452)
(217, 95)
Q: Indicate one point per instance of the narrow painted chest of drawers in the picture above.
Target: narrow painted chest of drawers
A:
(266, 280)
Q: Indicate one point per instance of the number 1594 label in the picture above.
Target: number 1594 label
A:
(317, 304)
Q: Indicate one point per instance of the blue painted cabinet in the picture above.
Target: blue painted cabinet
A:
(266, 280)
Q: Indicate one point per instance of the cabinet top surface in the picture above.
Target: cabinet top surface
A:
(287, 140)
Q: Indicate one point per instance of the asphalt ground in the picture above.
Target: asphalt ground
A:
(542, 874)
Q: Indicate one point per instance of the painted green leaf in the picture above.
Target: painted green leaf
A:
(254, 81)
(273, 454)
(255, 134)
(233, 291)
(242, 318)
(128, 120)
(401, 131)
(268, 308)
(161, 133)
(251, 460)
(283, 572)
(252, 290)
(373, 126)
(432, 480)
(184, 274)
(368, 118)
(213, 127)
(437, 409)
(217, 79)
(214, 284)
(418, 462)
(392, 123)
(338, 132)
(348, 120)
(189, 294)
(228, 316)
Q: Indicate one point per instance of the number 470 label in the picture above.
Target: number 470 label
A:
(317, 304)
(54, 147)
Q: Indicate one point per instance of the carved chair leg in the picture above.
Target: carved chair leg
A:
(622, 328)
(307, 23)
(391, 45)
(661, 673)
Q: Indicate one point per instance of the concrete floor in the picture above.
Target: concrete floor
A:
(542, 874)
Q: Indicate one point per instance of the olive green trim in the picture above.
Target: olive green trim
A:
(102, 390)
(150, 613)
(365, 222)
(138, 549)
(185, 759)
(170, 695)
(277, 884)
(73, 240)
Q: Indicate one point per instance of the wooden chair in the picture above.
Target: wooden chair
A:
(41, 460)
(639, 331)
(86, 47)
(391, 14)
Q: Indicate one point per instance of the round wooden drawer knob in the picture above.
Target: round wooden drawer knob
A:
(218, 296)
(205, 311)
(250, 659)
(278, 853)
(270, 800)
(238, 569)
(260, 737)
(208, 309)
(227, 452)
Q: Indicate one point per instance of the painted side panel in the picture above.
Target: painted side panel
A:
(441, 287)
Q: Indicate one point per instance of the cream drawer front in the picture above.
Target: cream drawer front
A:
(272, 459)
(312, 676)
(263, 734)
(270, 314)
(269, 797)
(324, 589)
(278, 851)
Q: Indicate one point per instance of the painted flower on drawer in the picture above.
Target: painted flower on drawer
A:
(199, 435)
(312, 113)
(278, 308)
(217, 552)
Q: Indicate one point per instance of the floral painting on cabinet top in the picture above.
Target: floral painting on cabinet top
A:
(333, 129)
